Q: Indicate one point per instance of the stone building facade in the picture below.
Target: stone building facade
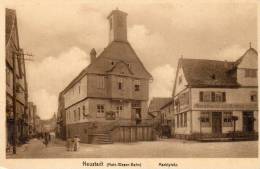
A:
(15, 59)
(32, 113)
(215, 98)
(112, 89)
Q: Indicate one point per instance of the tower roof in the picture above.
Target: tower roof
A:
(116, 11)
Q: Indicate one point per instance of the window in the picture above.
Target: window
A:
(204, 118)
(136, 104)
(185, 119)
(100, 110)
(181, 119)
(120, 21)
(137, 85)
(208, 96)
(79, 113)
(100, 82)
(75, 115)
(119, 110)
(250, 72)
(184, 98)
(84, 112)
(227, 119)
(253, 96)
(177, 105)
(120, 83)
(178, 121)
(79, 89)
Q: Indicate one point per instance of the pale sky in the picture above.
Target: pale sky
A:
(61, 35)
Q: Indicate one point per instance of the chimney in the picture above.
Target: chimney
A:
(93, 54)
(226, 64)
(117, 26)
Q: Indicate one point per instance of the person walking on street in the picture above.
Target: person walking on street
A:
(46, 139)
(69, 144)
(76, 143)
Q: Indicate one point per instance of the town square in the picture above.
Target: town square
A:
(97, 80)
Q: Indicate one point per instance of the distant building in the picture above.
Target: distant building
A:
(61, 118)
(112, 90)
(154, 110)
(32, 110)
(161, 112)
(15, 59)
(209, 95)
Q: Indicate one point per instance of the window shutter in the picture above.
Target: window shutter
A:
(224, 97)
(213, 96)
(201, 96)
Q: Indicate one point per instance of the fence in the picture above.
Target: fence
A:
(133, 133)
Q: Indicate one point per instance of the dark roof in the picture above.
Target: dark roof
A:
(158, 102)
(212, 73)
(209, 73)
(10, 17)
(115, 52)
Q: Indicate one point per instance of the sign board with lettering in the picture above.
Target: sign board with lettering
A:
(226, 106)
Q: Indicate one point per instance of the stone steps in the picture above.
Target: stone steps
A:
(102, 138)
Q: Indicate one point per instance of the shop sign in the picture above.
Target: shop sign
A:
(229, 106)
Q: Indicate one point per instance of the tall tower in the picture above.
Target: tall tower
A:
(117, 26)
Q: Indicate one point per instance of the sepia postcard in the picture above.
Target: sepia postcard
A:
(129, 84)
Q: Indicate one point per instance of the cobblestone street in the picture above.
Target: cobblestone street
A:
(166, 148)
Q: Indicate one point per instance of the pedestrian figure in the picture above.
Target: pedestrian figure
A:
(76, 143)
(46, 139)
(68, 144)
(72, 144)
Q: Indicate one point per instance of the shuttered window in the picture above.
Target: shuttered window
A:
(227, 119)
(212, 96)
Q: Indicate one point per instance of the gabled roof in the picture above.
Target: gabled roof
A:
(211, 73)
(158, 102)
(115, 52)
(118, 51)
(10, 18)
(250, 51)
(208, 73)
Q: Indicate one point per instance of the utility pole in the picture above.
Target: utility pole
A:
(15, 55)
(14, 102)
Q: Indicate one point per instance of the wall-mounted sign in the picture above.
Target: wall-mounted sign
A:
(227, 106)
(110, 115)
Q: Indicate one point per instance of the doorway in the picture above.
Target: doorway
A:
(248, 121)
(216, 122)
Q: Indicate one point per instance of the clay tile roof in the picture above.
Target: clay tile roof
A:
(158, 102)
(115, 52)
(118, 51)
(209, 73)
(10, 15)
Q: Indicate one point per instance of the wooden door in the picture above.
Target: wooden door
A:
(248, 121)
(216, 123)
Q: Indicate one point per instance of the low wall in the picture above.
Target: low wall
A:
(133, 134)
